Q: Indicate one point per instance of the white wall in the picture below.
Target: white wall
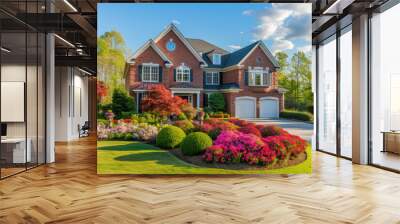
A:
(71, 102)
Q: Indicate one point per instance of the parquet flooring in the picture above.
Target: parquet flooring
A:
(70, 191)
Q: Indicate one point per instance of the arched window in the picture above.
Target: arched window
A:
(182, 73)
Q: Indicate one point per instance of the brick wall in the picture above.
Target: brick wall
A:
(148, 56)
(180, 55)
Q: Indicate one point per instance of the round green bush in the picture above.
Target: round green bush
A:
(182, 117)
(186, 125)
(170, 137)
(195, 143)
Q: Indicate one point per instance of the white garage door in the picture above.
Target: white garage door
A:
(269, 108)
(245, 107)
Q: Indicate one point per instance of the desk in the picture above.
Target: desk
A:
(15, 148)
(391, 141)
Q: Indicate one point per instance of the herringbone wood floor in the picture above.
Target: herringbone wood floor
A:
(69, 191)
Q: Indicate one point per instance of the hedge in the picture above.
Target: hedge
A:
(297, 115)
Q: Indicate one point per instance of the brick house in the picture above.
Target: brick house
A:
(194, 68)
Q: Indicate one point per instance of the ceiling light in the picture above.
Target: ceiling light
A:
(5, 50)
(64, 40)
(337, 7)
(86, 72)
(70, 5)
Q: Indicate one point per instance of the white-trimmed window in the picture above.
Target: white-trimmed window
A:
(182, 74)
(150, 72)
(216, 59)
(259, 77)
(212, 78)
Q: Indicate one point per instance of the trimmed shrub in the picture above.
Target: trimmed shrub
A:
(216, 102)
(170, 137)
(297, 115)
(186, 125)
(122, 102)
(182, 116)
(195, 143)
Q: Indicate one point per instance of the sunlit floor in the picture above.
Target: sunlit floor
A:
(386, 159)
(70, 191)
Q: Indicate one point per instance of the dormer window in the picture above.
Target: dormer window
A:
(216, 59)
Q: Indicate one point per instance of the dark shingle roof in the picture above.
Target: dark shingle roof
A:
(236, 56)
(228, 59)
(202, 46)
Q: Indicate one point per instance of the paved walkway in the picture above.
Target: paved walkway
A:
(302, 129)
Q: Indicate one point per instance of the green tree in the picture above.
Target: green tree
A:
(295, 77)
(216, 102)
(123, 105)
(111, 58)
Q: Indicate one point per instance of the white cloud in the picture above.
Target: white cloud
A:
(247, 12)
(282, 45)
(234, 47)
(298, 9)
(241, 32)
(176, 22)
(284, 23)
(305, 49)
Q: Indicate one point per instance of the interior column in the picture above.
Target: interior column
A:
(360, 90)
(50, 98)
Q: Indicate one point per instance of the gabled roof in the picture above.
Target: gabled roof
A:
(172, 27)
(202, 46)
(239, 56)
(202, 50)
(152, 44)
(236, 57)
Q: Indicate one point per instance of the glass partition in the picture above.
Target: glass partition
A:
(22, 95)
(346, 93)
(385, 89)
(327, 96)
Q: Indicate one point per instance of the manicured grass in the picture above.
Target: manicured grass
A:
(123, 157)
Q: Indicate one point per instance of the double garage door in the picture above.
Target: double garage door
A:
(245, 107)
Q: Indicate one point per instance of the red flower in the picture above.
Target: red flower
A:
(250, 129)
(272, 130)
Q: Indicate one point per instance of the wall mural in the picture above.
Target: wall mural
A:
(204, 88)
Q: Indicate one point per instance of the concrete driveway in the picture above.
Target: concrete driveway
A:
(302, 129)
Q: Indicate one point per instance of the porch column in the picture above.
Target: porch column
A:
(198, 100)
(137, 101)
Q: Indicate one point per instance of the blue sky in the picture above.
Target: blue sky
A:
(285, 27)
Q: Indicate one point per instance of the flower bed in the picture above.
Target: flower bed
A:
(237, 147)
(126, 130)
(236, 144)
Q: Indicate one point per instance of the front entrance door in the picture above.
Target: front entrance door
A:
(188, 98)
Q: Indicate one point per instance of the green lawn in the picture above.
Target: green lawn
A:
(123, 157)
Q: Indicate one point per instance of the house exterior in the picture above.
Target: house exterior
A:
(194, 68)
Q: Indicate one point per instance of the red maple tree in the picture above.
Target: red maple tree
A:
(101, 90)
(160, 100)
